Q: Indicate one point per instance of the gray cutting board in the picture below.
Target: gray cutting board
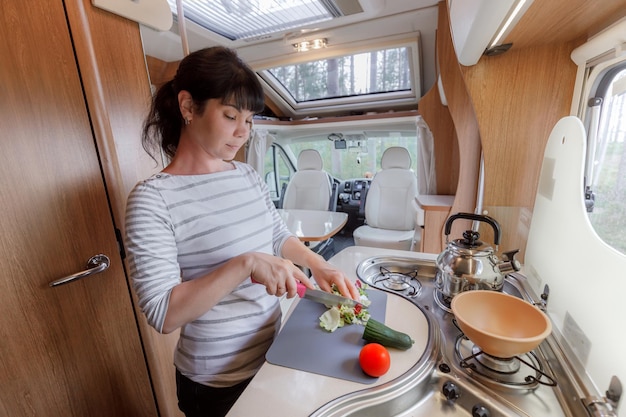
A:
(302, 344)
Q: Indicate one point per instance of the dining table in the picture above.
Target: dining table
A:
(313, 225)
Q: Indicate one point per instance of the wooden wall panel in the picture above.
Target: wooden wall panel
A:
(465, 123)
(518, 98)
(160, 71)
(561, 21)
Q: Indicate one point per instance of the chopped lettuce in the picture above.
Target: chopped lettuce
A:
(331, 320)
(339, 315)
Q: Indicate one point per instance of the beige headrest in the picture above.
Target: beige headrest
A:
(396, 157)
(310, 159)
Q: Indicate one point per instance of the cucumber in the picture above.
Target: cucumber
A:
(377, 332)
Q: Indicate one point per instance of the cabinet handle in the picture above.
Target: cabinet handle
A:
(95, 265)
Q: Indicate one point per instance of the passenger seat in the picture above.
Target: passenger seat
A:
(390, 214)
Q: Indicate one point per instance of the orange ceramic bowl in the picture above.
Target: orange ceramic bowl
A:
(500, 324)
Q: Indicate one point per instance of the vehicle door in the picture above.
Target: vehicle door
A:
(279, 169)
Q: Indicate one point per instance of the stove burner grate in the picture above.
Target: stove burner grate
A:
(443, 301)
(406, 283)
(522, 371)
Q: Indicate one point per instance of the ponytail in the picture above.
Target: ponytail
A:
(161, 129)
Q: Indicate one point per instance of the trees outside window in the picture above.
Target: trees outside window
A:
(373, 72)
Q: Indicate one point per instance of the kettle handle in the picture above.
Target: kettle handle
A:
(478, 217)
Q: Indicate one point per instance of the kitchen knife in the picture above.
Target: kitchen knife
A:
(324, 297)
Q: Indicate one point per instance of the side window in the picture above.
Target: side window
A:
(605, 174)
(278, 170)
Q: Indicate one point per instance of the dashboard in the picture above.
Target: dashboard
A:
(350, 194)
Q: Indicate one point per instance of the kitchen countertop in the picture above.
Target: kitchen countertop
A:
(435, 202)
(280, 391)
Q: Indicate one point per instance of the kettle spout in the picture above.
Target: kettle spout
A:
(509, 263)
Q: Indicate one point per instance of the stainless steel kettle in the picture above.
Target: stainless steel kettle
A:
(469, 264)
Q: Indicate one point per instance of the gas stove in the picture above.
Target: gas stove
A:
(454, 377)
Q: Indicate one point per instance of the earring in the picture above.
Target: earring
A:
(187, 121)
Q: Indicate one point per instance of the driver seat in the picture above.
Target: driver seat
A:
(390, 213)
(312, 188)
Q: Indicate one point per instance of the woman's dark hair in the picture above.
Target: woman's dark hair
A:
(210, 73)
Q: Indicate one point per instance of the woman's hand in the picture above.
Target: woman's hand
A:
(326, 275)
(280, 276)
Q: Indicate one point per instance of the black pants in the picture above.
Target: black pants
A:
(197, 400)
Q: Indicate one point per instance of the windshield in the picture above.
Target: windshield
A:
(358, 156)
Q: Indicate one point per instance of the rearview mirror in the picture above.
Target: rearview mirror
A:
(340, 144)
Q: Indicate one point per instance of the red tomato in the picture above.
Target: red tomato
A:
(374, 359)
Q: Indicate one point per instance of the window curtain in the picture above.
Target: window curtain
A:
(260, 141)
(426, 179)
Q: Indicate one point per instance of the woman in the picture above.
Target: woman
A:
(201, 230)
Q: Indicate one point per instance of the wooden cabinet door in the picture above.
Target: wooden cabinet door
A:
(71, 350)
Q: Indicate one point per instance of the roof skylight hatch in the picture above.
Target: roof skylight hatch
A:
(361, 80)
(249, 19)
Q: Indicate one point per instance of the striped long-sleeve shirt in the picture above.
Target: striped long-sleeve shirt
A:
(179, 227)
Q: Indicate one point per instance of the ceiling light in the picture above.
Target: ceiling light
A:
(304, 46)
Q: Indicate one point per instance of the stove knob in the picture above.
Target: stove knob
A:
(450, 391)
(480, 411)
